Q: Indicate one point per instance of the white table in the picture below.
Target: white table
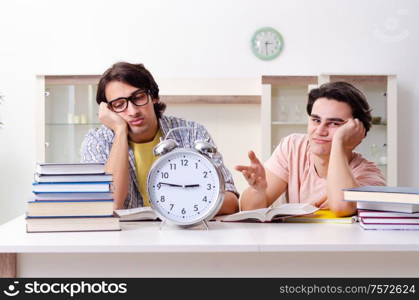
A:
(227, 249)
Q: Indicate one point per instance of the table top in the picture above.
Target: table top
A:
(148, 237)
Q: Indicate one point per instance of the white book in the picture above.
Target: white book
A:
(386, 214)
(71, 187)
(72, 224)
(69, 168)
(382, 194)
(389, 226)
(136, 214)
(69, 208)
(271, 213)
(390, 220)
(386, 206)
(73, 178)
(70, 196)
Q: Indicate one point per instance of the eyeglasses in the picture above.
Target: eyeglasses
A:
(138, 98)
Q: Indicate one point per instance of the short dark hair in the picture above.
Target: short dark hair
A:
(133, 74)
(343, 92)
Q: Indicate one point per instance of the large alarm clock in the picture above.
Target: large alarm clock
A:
(185, 186)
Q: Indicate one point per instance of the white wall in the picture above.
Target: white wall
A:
(187, 39)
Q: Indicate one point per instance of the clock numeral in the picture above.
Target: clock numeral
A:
(171, 206)
(195, 207)
(183, 211)
(184, 162)
(205, 199)
(205, 174)
(162, 199)
(172, 166)
(158, 186)
(196, 165)
(165, 175)
(209, 186)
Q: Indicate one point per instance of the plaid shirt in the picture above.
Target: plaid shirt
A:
(98, 142)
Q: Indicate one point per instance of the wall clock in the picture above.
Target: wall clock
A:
(267, 43)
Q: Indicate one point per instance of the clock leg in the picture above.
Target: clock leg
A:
(206, 226)
(162, 224)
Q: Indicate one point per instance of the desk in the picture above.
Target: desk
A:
(226, 250)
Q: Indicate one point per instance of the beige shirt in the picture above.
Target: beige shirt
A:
(291, 161)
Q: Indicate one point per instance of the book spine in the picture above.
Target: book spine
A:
(70, 217)
(70, 201)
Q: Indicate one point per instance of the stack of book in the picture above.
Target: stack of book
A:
(386, 208)
(71, 197)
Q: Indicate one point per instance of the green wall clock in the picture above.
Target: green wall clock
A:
(267, 43)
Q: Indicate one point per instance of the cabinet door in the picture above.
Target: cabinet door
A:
(284, 100)
(70, 112)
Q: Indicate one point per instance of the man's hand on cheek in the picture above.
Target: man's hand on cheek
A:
(350, 134)
(111, 119)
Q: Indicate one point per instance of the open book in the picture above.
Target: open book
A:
(136, 214)
(271, 213)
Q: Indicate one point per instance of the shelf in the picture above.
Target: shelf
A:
(289, 123)
(72, 124)
(290, 80)
(210, 99)
(304, 123)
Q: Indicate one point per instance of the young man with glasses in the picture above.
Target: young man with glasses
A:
(133, 122)
(316, 166)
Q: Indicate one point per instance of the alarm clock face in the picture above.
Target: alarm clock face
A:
(267, 43)
(184, 187)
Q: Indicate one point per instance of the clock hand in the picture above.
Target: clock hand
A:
(191, 185)
(266, 47)
(179, 185)
(170, 184)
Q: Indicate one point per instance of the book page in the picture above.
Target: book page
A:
(136, 214)
(291, 209)
(258, 214)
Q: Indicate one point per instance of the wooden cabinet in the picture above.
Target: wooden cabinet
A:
(229, 108)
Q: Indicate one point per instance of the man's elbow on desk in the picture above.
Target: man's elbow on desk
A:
(341, 208)
(230, 204)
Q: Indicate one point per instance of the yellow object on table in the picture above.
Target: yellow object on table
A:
(322, 216)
